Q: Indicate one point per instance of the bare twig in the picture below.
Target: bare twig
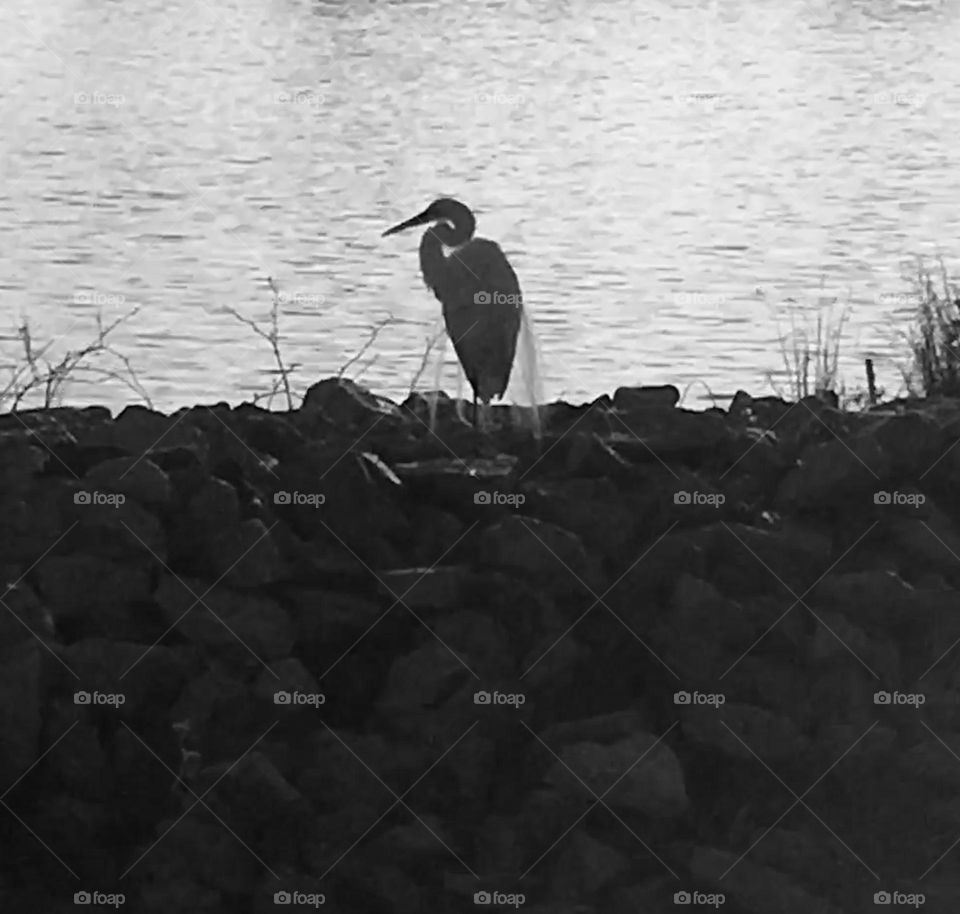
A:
(373, 337)
(272, 336)
(935, 339)
(706, 387)
(51, 378)
(428, 348)
(802, 350)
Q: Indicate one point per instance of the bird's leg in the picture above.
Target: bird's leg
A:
(479, 427)
(474, 410)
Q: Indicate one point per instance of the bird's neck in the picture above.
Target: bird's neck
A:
(455, 228)
(452, 232)
(433, 261)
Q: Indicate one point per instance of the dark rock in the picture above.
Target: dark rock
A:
(873, 597)
(755, 888)
(22, 615)
(426, 838)
(744, 558)
(231, 623)
(596, 510)
(20, 460)
(437, 530)
(654, 787)
(139, 431)
(98, 594)
(651, 576)
(913, 442)
(289, 676)
(137, 478)
(111, 526)
(334, 494)
(145, 675)
(743, 731)
(20, 704)
(269, 433)
(251, 557)
(587, 865)
(440, 587)
(264, 807)
(837, 638)
(421, 403)
(329, 622)
(381, 888)
(460, 486)
(169, 882)
(424, 678)
(533, 547)
(54, 421)
(345, 403)
(606, 728)
(77, 761)
(628, 399)
(836, 472)
(30, 522)
(660, 435)
(210, 535)
(584, 455)
(300, 892)
(924, 546)
(562, 570)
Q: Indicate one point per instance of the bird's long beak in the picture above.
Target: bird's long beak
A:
(419, 219)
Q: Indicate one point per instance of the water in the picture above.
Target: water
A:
(646, 167)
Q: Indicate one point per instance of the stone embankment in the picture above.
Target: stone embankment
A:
(327, 659)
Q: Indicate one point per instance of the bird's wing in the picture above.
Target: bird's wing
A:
(482, 304)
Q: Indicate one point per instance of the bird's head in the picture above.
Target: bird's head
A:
(443, 208)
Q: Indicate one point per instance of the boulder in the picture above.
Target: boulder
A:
(232, 623)
(138, 478)
(640, 774)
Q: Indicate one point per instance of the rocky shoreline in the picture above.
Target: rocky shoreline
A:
(327, 659)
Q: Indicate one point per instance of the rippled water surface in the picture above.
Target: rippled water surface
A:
(647, 167)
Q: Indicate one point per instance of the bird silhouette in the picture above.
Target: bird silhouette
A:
(479, 294)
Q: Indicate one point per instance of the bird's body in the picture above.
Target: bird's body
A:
(479, 293)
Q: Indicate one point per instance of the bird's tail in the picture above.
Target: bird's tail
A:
(489, 386)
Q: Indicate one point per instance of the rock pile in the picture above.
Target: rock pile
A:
(330, 658)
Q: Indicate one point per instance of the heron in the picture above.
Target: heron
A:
(478, 291)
